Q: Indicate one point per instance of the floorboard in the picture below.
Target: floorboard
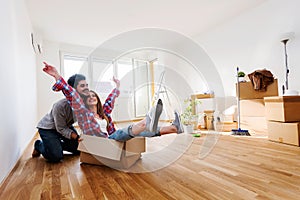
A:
(233, 168)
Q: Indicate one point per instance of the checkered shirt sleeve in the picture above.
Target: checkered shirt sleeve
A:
(108, 106)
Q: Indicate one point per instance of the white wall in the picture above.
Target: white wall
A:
(46, 96)
(18, 84)
(252, 41)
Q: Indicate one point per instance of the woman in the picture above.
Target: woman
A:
(140, 128)
(102, 113)
(92, 121)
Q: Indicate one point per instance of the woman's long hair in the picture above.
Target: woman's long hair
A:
(100, 110)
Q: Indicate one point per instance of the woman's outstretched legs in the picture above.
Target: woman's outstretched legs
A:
(176, 126)
(167, 130)
(148, 124)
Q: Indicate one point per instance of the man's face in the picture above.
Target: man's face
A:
(83, 88)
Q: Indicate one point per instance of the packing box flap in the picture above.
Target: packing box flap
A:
(99, 146)
(135, 145)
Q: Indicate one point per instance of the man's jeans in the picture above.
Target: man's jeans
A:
(53, 144)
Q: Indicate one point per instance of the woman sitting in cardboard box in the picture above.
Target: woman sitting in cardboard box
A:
(92, 116)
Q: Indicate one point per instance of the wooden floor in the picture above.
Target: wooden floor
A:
(236, 168)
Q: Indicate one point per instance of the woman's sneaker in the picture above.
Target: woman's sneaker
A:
(177, 122)
(153, 115)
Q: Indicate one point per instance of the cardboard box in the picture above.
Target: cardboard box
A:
(287, 133)
(283, 108)
(255, 125)
(252, 107)
(247, 91)
(103, 151)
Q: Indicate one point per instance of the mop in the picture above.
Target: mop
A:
(239, 131)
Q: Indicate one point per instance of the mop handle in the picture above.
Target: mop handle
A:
(238, 97)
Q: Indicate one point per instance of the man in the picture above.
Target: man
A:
(56, 128)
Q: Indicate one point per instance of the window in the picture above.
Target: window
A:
(135, 90)
(141, 88)
(101, 77)
(74, 65)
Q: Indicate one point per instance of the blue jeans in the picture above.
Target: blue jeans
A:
(53, 144)
(123, 135)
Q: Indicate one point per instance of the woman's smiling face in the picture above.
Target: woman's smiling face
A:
(92, 99)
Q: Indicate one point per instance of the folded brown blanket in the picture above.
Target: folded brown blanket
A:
(261, 79)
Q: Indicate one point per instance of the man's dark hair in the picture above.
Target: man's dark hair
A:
(73, 80)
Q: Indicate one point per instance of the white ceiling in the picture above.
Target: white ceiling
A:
(90, 22)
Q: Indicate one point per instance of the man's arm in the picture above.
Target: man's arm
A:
(60, 117)
(61, 114)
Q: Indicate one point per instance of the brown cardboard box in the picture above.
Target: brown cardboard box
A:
(283, 108)
(252, 107)
(124, 163)
(247, 91)
(287, 133)
(208, 119)
(97, 150)
(255, 125)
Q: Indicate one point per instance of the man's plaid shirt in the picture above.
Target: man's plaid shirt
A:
(85, 118)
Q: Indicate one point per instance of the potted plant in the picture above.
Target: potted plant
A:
(188, 119)
(241, 76)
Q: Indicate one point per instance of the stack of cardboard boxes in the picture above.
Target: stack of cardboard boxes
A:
(252, 107)
(283, 115)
